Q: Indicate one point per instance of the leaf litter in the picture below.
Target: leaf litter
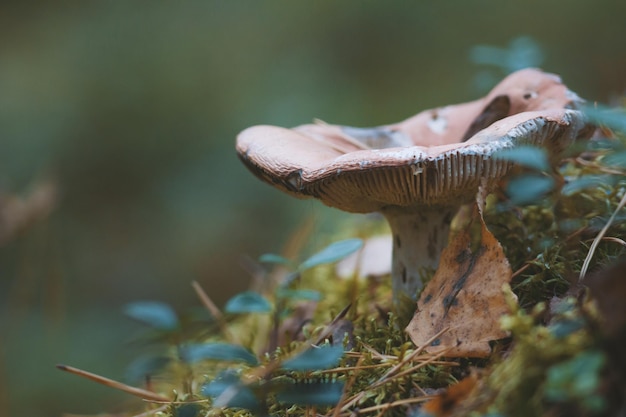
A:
(465, 295)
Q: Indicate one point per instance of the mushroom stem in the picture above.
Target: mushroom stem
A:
(419, 236)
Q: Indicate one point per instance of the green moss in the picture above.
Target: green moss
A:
(518, 383)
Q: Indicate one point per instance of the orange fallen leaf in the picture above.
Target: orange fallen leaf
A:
(465, 295)
(450, 400)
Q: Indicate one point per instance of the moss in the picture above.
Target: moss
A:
(517, 383)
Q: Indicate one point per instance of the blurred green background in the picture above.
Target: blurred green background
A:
(118, 176)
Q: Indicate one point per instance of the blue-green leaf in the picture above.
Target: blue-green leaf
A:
(570, 225)
(289, 279)
(614, 118)
(315, 393)
(228, 391)
(187, 410)
(528, 189)
(217, 351)
(315, 358)
(587, 181)
(248, 302)
(525, 155)
(270, 258)
(307, 295)
(144, 366)
(332, 253)
(577, 378)
(615, 159)
(522, 52)
(154, 313)
(564, 328)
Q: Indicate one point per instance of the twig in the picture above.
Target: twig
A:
(353, 368)
(596, 241)
(344, 405)
(522, 269)
(137, 392)
(407, 359)
(599, 167)
(389, 377)
(416, 367)
(330, 327)
(387, 406)
(375, 353)
(354, 399)
(615, 240)
(348, 385)
(215, 312)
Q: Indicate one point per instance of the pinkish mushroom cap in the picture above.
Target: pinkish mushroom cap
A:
(419, 171)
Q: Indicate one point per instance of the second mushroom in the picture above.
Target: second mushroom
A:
(417, 172)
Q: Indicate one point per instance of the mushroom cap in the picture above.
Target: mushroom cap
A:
(436, 157)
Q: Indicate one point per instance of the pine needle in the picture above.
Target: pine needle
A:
(215, 312)
(137, 392)
(596, 241)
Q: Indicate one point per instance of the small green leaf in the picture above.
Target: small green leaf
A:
(571, 225)
(332, 253)
(596, 224)
(615, 159)
(603, 144)
(614, 118)
(526, 155)
(315, 358)
(577, 378)
(315, 393)
(528, 189)
(307, 295)
(270, 258)
(522, 52)
(145, 366)
(289, 279)
(587, 181)
(564, 328)
(187, 410)
(217, 351)
(228, 391)
(248, 302)
(153, 313)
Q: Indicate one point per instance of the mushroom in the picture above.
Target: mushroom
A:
(420, 171)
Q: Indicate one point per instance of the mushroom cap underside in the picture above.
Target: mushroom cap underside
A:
(367, 180)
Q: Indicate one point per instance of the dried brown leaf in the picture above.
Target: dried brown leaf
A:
(465, 295)
(451, 400)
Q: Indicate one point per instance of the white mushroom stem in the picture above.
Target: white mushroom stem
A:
(419, 236)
